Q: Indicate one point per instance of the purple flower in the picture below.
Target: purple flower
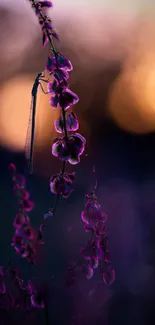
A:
(31, 252)
(56, 86)
(37, 301)
(39, 5)
(95, 262)
(91, 252)
(53, 87)
(99, 228)
(58, 62)
(54, 101)
(72, 123)
(19, 182)
(69, 150)
(63, 62)
(109, 275)
(88, 272)
(25, 231)
(91, 213)
(36, 297)
(62, 184)
(27, 205)
(21, 218)
(17, 241)
(61, 75)
(63, 97)
(67, 98)
(45, 4)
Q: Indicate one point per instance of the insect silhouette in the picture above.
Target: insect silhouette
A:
(29, 146)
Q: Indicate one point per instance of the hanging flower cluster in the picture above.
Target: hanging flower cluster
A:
(95, 254)
(70, 146)
(23, 239)
(25, 296)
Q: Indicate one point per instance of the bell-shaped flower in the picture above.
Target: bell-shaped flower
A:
(27, 205)
(20, 219)
(72, 123)
(69, 150)
(62, 184)
(88, 272)
(58, 62)
(67, 98)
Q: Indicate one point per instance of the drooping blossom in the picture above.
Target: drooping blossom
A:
(62, 184)
(69, 150)
(23, 239)
(96, 253)
(72, 123)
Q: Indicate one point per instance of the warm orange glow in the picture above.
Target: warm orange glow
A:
(14, 114)
(132, 97)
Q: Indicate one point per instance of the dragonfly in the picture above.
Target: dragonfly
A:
(29, 145)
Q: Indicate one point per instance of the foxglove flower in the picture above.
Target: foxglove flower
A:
(62, 184)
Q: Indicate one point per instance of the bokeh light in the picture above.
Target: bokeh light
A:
(14, 114)
(132, 96)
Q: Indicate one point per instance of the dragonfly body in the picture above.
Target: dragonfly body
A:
(29, 147)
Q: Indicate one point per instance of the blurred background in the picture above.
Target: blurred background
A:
(111, 45)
